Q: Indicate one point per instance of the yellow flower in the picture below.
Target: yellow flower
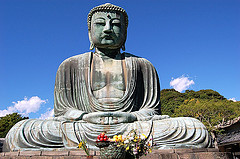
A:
(127, 148)
(150, 150)
(120, 138)
(144, 135)
(115, 138)
(80, 145)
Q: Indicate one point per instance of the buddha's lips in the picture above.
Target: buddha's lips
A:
(107, 37)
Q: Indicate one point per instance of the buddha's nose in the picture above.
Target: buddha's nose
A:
(107, 29)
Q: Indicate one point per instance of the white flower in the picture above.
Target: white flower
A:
(142, 137)
(135, 151)
(126, 141)
(132, 134)
(131, 138)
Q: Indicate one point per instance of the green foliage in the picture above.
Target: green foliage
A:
(171, 99)
(208, 106)
(8, 121)
(210, 112)
(203, 94)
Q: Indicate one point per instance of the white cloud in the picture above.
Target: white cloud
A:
(24, 107)
(232, 99)
(6, 111)
(48, 114)
(181, 83)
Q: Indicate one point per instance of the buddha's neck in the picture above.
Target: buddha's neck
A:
(108, 53)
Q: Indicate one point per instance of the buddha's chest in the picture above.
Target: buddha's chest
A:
(107, 73)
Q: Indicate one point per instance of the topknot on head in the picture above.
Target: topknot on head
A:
(105, 8)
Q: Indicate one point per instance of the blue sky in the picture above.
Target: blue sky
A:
(193, 43)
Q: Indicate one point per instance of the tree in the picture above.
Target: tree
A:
(170, 99)
(208, 106)
(203, 94)
(8, 121)
(210, 112)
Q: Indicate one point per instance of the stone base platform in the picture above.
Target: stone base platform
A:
(208, 153)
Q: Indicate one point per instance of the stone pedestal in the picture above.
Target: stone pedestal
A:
(156, 154)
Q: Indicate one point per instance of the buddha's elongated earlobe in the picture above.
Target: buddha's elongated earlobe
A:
(123, 47)
(91, 46)
(90, 39)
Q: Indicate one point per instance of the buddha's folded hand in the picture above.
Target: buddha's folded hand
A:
(108, 118)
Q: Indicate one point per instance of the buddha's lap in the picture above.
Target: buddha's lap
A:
(165, 132)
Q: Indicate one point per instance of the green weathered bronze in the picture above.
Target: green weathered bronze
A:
(106, 90)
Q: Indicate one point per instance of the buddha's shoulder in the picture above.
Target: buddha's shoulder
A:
(137, 58)
(77, 58)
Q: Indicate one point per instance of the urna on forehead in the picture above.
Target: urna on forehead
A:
(108, 15)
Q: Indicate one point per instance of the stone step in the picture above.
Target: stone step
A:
(156, 154)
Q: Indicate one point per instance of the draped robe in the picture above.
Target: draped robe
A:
(73, 90)
(73, 97)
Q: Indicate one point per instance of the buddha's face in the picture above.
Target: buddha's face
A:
(107, 30)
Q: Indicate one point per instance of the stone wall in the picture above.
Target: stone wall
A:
(156, 154)
(1, 143)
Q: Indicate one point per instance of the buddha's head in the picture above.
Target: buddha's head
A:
(107, 27)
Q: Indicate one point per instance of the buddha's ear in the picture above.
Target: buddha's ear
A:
(90, 39)
(123, 47)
